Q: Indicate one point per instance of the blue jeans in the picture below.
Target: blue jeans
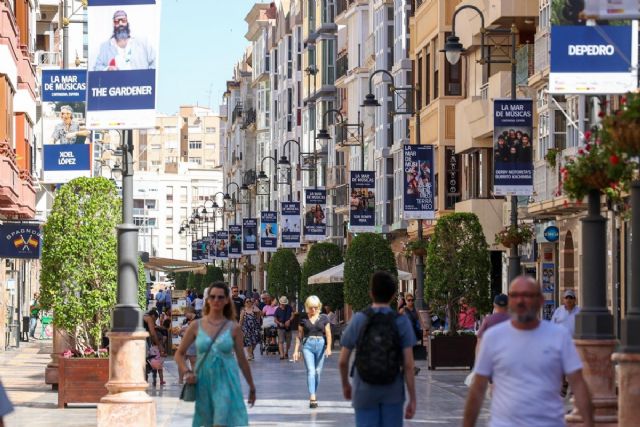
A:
(33, 322)
(313, 353)
(381, 415)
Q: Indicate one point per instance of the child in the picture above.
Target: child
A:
(155, 363)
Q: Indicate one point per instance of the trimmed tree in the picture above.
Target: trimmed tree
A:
(458, 266)
(321, 257)
(283, 275)
(181, 279)
(367, 254)
(213, 274)
(194, 281)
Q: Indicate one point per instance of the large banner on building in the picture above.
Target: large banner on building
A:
(235, 241)
(419, 202)
(64, 85)
(315, 223)
(123, 48)
(362, 212)
(20, 241)
(222, 244)
(62, 163)
(612, 9)
(290, 223)
(249, 236)
(268, 231)
(512, 149)
(593, 60)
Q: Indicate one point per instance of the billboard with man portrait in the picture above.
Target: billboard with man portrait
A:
(268, 231)
(290, 222)
(362, 203)
(418, 185)
(222, 244)
(315, 222)
(123, 59)
(249, 236)
(235, 241)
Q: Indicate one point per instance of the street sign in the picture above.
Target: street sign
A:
(552, 233)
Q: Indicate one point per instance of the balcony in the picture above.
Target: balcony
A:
(525, 60)
(342, 65)
(542, 48)
(44, 58)
(489, 212)
(10, 183)
(27, 200)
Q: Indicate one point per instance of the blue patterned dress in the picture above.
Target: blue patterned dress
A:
(218, 393)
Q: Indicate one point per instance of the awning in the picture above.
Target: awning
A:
(174, 265)
(336, 275)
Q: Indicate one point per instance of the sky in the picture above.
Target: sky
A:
(200, 41)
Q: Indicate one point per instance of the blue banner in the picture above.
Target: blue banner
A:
(268, 231)
(235, 241)
(419, 202)
(62, 163)
(249, 236)
(315, 222)
(64, 85)
(290, 222)
(222, 244)
(211, 246)
(124, 90)
(513, 151)
(362, 213)
(20, 240)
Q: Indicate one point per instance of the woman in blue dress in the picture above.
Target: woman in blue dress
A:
(217, 336)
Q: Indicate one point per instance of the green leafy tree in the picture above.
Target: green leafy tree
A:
(213, 274)
(458, 266)
(181, 280)
(321, 257)
(194, 281)
(142, 285)
(283, 275)
(79, 259)
(367, 254)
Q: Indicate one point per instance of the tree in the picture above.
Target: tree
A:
(194, 280)
(283, 275)
(142, 285)
(321, 257)
(79, 259)
(181, 279)
(367, 254)
(213, 274)
(458, 266)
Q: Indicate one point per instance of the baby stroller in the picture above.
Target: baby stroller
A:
(269, 336)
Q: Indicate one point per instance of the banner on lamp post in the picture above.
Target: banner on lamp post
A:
(362, 212)
(315, 223)
(268, 231)
(235, 241)
(222, 244)
(290, 223)
(249, 236)
(210, 254)
(64, 85)
(419, 202)
(512, 149)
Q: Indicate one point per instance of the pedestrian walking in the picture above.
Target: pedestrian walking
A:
(500, 314)
(283, 317)
(237, 301)
(565, 315)
(526, 359)
(191, 353)
(160, 301)
(250, 325)
(216, 375)
(6, 406)
(384, 342)
(198, 304)
(167, 300)
(412, 314)
(34, 314)
(314, 335)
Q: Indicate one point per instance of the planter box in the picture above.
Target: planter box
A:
(82, 380)
(451, 351)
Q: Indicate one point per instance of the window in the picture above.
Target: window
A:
(169, 217)
(183, 195)
(172, 159)
(169, 237)
(195, 145)
(6, 110)
(210, 130)
(196, 160)
(169, 194)
(436, 71)
(156, 146)
(453, 79)
(419, 83)
(329, 56)
(545, 14)
(311, 15)
(156, 163)
(289, 56)
(427, 77)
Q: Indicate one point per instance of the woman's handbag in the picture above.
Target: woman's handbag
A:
(188, 392)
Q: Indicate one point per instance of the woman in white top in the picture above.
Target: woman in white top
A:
(198, 303)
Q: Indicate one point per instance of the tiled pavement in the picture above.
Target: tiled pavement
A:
(281, 393)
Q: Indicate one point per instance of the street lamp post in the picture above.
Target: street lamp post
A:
(323, 134)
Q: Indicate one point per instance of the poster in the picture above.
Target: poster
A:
(211, 247)
(290, 222)
(548, 289)
(268, 231)
(222, 244)
(64, 85)
(123, 58)
(22, 241)
(249, 236)
(315, 222)
(418, 185)
(512, 147)
(195, 247)
(362, 202)
(612, 9)
(62, 163)
(235, 241)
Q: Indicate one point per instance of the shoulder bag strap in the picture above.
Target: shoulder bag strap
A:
(215, 337)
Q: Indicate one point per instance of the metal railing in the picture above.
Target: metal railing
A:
(42, 57)
(541, 48)
(525, 67)
(342, 65)
(484, 91)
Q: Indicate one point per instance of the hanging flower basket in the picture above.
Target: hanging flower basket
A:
(416, 247)
(626, 138)
(514, 235)
(624, 125)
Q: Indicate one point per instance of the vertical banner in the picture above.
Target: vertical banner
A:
(123, 47)
(512, 150)
(222, 244)
(20, 241)
(315, 223)
(362, 213)
(452, 186)
(419, 200)
(211, 248)
(548, 289)
(268, 231)
(62, 163)
(290, 223)
(235, 241)
(249, 236)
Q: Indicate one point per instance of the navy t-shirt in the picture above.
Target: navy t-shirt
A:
(282, 315)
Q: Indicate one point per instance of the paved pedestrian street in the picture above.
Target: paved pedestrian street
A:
(281, 392)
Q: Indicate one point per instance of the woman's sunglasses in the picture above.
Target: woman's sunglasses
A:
(218, 297)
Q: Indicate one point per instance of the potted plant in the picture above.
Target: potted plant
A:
(417, 247)
(458, 266)
(552, 156)
(514, 235)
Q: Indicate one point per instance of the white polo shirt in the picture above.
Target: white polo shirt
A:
(566, 318)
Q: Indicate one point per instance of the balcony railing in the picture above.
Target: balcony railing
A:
(525, 59)
(484, 91)
(42, 57)
(343, 5)
(542, 52)
(342, 65)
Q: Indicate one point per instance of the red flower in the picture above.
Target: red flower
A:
(598, 141)
(587, 135)
(623, 100)
(581, 152)
(563, 170)
(613, 185)
(614, 160)
(601, 113)
(588, 147)
(67, 353)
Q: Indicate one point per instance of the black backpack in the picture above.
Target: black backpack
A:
(379, 350)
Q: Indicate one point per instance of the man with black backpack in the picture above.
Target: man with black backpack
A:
(383, 341)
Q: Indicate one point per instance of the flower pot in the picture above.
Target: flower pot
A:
(451, 351)
(626, 137)
(82, 380)
(419, 251)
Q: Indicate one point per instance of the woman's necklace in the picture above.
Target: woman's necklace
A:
(212, 323)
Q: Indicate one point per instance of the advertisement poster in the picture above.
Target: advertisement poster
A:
(290, 222)
(62, 163)
(452, 186)
(512, 147)
(123, 56)
(222, 244)
(593, 60)
(64, 85)
(269, 231)
(612, 9)
(418, 185)
(249, 236)
(315, 223)
(362, 212)
(211, 246)
(22, 241)
(235, 241)
(195, 248)
(548, 289)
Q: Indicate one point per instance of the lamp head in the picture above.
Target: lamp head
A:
(323, 134)
(370, 101)
(453, 49)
